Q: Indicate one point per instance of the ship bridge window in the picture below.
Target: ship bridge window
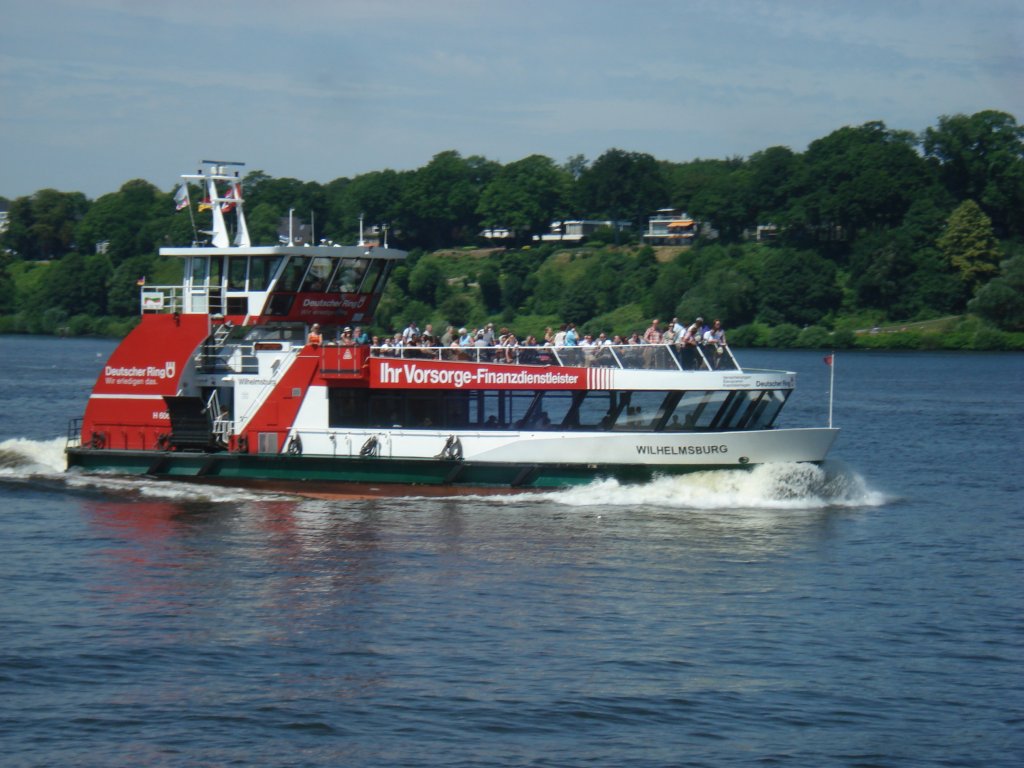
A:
(204, 267)
(215, 270)
(237, 269)
(319, 274)
(378, 268)
(349, 275)
(200, 269)
(291, 279)
(261, 271)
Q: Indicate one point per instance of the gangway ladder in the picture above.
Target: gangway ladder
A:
(223, 426)
(213, 347)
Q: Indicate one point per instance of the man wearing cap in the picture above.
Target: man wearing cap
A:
(346, 339)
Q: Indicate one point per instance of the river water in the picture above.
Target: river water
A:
(870, 613)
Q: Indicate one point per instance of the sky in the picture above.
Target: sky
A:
(94, 93)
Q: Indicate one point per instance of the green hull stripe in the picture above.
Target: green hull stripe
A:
(327, 469)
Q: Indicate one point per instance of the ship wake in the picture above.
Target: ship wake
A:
(41, 465)
(767, 486)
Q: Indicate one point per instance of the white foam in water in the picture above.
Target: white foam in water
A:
(24, 459)
(767, 486)
(20, 456)
(176, 490)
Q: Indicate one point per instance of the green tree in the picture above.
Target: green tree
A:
(123, 293)
(575, 165)
(727, 203)
(797, 286)
(1001, 300)
(489, 281)
(578, 304)
(970, 244)
(439, 202)
(8, 295)
(263, 221)
(134, 220)
(547, 291)
(686, 181)
(375, 196)
(773, 174)
(981, 157)
(857, 179)
(525, 196)
(426, 280)
(268, 200)
(43, 226)
(77, 284)
(622, 185)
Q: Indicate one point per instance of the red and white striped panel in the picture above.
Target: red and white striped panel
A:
(600, 378)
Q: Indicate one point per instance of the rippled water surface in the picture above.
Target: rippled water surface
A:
(865, 613)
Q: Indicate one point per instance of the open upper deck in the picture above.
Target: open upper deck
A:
(657, 357)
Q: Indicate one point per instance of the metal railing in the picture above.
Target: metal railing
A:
(74, 437)
(659, 357)
(221, 424)
(161, 299)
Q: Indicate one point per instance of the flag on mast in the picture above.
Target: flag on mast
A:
(828, 359)
(231, 199)
(181, 197)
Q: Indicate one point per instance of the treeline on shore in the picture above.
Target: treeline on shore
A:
(880, 238)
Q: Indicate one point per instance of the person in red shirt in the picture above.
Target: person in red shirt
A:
(315, 337)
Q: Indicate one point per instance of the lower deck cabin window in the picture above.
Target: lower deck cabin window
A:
(529, 410)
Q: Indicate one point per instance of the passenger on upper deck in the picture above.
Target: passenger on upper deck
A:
(691, 338)
(714, 339)
(572, 337)
(653, 334)
(410, 330)
(346, 339)
(315, 338)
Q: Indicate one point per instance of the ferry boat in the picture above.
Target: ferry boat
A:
(220, 382)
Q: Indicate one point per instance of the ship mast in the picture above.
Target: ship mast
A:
(212, 172)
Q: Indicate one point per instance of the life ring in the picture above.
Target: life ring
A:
(370, 448)
(242, 444)
(163, 441)
(99, 440)
(295, 446)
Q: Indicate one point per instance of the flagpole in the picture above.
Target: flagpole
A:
(192, 218)
(831, 384)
